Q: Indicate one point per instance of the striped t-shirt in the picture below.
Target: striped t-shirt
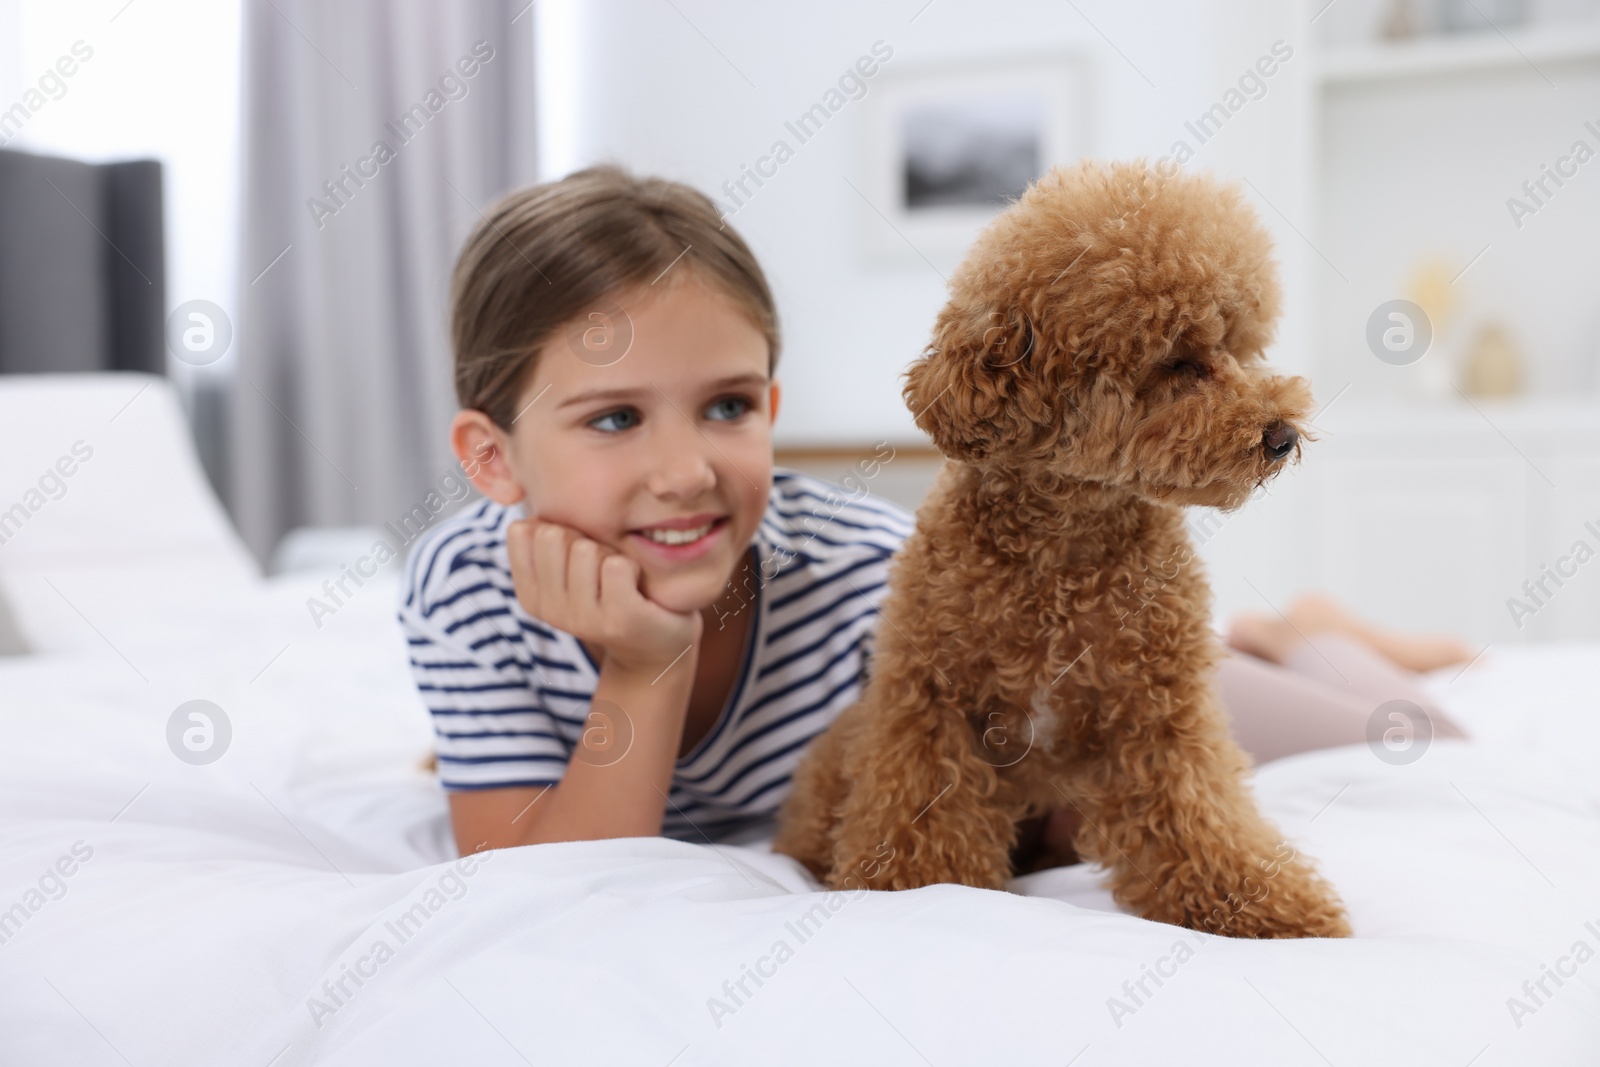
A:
(509, 695)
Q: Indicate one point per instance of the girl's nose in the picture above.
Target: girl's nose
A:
(683, 468)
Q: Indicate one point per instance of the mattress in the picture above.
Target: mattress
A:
(276, 883)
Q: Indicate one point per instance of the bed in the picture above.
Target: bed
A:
(299, 899)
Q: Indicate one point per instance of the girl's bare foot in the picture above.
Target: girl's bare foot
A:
(1316, 613)
(1266, 636)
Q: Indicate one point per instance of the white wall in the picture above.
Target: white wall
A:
(694, 89)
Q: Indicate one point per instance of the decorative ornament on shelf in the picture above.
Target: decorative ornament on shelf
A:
(1402, 22)
(1430, 288)
(1494, 363)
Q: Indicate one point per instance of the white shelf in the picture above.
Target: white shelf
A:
(1533, 50)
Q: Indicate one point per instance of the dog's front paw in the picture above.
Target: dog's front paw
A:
(1325, 921)
(1295, 903)
(876, 871)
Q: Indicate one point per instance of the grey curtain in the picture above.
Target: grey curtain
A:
(374, 134)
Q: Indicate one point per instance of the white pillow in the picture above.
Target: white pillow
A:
(107, 521)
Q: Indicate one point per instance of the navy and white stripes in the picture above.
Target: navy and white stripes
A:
(509, 695)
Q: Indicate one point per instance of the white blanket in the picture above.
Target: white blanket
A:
(213, 911)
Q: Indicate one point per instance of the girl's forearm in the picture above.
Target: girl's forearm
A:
(617, 785)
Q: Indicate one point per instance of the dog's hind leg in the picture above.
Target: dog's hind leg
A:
(922, 806)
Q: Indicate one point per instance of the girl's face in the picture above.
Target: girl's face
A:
(664, 454)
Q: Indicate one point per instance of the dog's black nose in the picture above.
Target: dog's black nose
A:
(1279, 440)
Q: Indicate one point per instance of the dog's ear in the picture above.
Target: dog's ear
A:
(974, 389)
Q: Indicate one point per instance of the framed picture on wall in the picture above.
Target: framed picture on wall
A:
(944, 148)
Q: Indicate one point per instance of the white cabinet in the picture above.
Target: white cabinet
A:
(1432, 519)
(1421, 543)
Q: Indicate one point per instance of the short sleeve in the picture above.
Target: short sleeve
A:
(475, 673)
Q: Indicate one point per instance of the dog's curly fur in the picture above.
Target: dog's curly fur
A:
(1046, 640)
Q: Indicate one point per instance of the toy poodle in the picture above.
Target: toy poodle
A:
(1046, 641)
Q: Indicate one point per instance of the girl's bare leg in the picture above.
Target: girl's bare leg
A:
(1270, 636)
(1322, 696)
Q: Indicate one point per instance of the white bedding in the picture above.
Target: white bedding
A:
(216, 900)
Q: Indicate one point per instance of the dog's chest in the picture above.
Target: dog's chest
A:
(1046, 719)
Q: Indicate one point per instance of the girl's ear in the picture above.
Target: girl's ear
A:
(774, 400)
(482, 447)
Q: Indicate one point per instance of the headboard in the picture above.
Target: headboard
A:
(82, 265)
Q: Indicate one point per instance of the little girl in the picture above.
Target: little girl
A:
(645, 623)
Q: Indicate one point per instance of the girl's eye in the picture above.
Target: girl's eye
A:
(738, 403)
(628, 416)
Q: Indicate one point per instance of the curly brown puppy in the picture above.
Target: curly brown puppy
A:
(1046, 640)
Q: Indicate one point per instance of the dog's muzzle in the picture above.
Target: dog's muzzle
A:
(1279, 441)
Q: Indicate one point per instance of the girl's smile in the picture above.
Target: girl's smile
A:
(682, 540)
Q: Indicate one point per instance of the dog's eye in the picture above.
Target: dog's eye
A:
(1188, 368)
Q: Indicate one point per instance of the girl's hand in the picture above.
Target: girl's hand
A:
(591, 591)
